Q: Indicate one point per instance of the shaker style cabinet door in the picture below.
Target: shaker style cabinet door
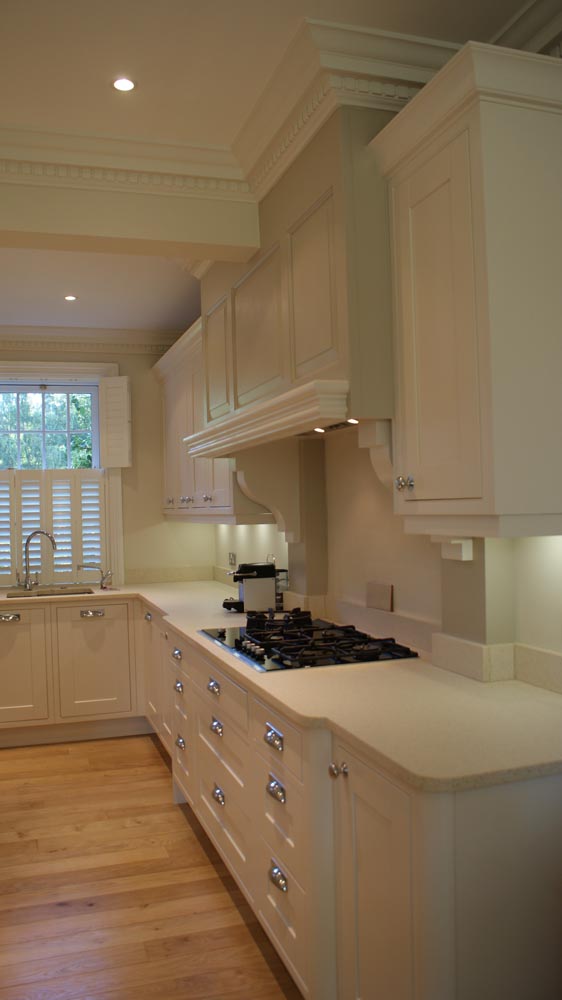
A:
(23, 665)
(94, 660)
(373, 875)
(438, 430)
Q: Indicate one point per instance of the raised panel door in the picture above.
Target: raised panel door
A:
(373, 833)
(260, 340)
(216, 350)
(94, 660)
(439, 439)
(23, 665)
(313, 291)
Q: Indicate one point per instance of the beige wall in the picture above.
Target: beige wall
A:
(366, 541)
(538, 592)
(155, 549)
(251, 543)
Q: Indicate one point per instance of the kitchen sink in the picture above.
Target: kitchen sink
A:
(51, 590)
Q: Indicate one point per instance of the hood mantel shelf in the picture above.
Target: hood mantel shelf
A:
(315, 404)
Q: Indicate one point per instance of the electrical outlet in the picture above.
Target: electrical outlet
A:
(232, 558)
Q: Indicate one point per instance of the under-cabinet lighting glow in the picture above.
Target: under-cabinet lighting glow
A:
(123, 84)
(352, 420)
(70, 298)
(319, 430)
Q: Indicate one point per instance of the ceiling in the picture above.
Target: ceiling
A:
(200, 70)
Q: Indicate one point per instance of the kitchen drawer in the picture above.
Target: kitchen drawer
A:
(219, 735)
(183, 749)
(283, 913)
(277, 740)
(175, 646)
(277, 805)
(223, 696)
(219, 806)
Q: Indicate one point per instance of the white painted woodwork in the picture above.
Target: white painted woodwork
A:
(24, 666)
(115, 422)
(152, 630)
(313, 308)
(95, 660)
(259, 330)
(217, 351)
(438, 347)
(373, 858)
(476, 218)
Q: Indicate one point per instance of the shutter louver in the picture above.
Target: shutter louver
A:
(30, 518)
(61, 500)
(91, 518)
(6, 520)
(115, 422)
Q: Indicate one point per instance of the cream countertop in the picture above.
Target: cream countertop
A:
(434, 730)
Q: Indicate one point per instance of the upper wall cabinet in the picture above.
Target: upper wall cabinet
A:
(196, 489)
(474, 164)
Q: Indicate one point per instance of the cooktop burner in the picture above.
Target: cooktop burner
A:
(292, 640)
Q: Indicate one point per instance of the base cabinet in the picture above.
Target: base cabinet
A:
(24, 666)
(373, 850)
(94, 655)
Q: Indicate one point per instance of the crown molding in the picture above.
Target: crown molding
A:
(180, 351)
(329, 66)
(315, 404)
(69, 175)
(81, 340)
(478, 72)
(536, 27)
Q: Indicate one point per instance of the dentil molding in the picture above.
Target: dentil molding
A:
(83, 341)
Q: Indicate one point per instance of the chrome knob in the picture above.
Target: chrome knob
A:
(277, 876)
(214, 687)
(334, 771)
(180, 742)
(148, 616)
(178, 686)
(176, 653)
(218, 795)
(404, 483)
(273, 738)
(186, 499)
(169, 501)
(11, 617)
(216, 727)
(207, 496)
(276, 790)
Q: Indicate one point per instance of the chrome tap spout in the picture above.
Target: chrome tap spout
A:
(27, 580)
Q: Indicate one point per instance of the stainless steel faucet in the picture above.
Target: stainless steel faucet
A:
(105, 577)
(27, 579)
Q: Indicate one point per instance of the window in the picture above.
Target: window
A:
(49, 427)
(64, 437)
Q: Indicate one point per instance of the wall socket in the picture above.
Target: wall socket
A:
(232, 558)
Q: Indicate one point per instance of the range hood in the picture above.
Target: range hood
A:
(320, 403)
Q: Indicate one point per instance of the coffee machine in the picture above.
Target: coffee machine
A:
(260, 587)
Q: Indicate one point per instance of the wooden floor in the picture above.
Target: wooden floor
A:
(108, 890)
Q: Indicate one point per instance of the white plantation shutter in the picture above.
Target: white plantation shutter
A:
(7, 522)
(61, 506)
(92, 515)
(68, 503)
(115, 422)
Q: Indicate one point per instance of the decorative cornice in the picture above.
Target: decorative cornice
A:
(70, 175)
(316, 404)
(32, 340)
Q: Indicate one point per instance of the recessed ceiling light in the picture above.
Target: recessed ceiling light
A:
(319, 430)
(352, 420)
(123, 84)
(70, 298)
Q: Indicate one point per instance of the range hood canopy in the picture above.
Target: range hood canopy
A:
(321, 403)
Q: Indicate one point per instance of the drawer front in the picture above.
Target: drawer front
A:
(175, 647)
(278, 741)
(219, 806)
(217, 734)
(282, 909)
(277, 801)
(221, 695)
(183, 750)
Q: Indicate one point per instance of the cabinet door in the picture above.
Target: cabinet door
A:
(23, 665)
(260, 340)
(210, 485)
(373, 877)
(152, 657)
(438, 441)
(94, 660)
(216, 339)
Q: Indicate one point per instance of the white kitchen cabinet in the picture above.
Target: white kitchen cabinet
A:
(152, 630)
(24, 666)
(196, 488)
(94, 659)
(473, 164)
(373, 860)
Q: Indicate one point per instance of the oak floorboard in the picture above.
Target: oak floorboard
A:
(110, 892)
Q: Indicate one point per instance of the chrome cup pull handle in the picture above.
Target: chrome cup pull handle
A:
(273, 737)
(214, 687)
(217, 727)
(276, 790)
(219, 796)
(12, 617)
(278, 877)
(178, 686)
(92, 613)
(180, 742)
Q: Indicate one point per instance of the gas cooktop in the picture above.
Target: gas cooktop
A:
(294, 640)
